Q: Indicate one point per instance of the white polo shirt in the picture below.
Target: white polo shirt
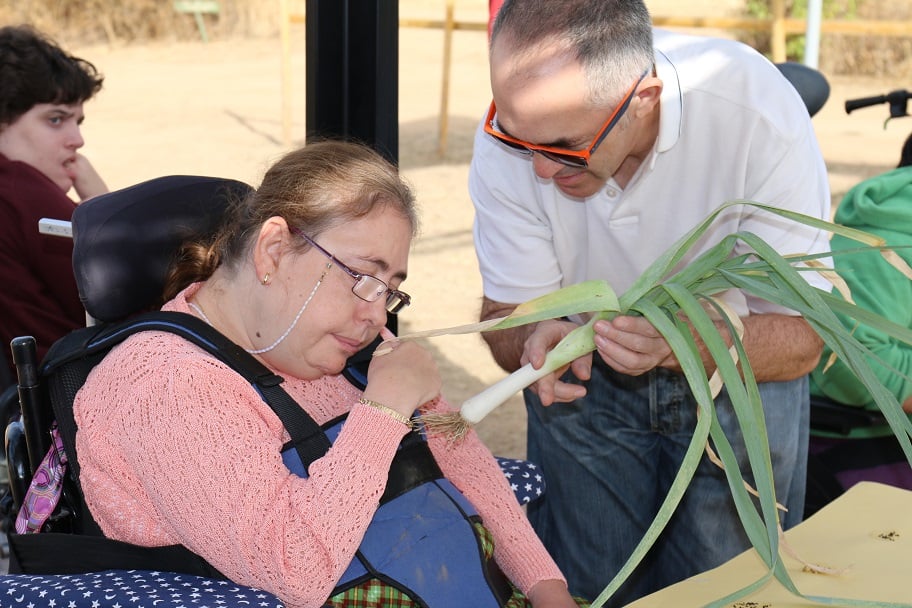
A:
(731, 127)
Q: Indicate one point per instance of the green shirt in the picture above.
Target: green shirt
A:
(882, 206)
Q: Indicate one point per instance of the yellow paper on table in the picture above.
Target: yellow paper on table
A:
(867, 531)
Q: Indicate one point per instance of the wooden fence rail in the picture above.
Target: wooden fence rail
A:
(778, 27)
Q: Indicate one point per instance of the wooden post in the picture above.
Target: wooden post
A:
(777, 33)
(445, 85)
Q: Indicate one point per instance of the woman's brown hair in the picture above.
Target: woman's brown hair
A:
(314, 188)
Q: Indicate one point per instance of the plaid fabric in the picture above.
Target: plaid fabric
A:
(375, 593)
(486, 540)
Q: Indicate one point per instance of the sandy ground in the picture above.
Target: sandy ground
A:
(215, 109)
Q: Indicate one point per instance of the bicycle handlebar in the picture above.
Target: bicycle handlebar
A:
(897, 99)
(864, 102)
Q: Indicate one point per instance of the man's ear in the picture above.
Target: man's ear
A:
(648, 95)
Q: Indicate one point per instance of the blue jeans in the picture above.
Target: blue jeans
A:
(609, 459)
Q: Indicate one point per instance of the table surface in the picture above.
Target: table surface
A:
(866, 534)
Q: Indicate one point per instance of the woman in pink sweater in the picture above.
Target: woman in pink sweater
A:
(175, 448)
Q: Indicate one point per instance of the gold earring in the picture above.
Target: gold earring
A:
(265, 280)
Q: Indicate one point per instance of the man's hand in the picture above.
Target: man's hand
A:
(779, 347)
(631, 345)
(550, 389)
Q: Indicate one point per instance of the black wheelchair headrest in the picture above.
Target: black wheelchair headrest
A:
(124, 241)
(811, 85)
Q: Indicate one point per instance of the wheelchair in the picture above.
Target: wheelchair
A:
(123, 243)
(836, 461)
(123, 246)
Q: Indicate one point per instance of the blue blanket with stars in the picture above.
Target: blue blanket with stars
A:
(128, 589)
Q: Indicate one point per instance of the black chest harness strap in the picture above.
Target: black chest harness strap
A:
(69, 553)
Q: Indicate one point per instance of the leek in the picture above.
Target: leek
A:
(676, 303)
(573, 346)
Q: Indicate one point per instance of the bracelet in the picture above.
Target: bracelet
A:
(389, 412)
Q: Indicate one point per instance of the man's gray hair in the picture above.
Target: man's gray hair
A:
(612, 39)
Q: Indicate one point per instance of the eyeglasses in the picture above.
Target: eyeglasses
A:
(368, 288)
(571, 158)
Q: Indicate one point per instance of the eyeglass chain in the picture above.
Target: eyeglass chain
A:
(294, 322)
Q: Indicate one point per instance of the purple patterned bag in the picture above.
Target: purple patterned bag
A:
(45, 490)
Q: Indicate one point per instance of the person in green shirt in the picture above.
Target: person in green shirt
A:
(855, 444)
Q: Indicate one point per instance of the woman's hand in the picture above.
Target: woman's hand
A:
(402, 375)
(551, 594)
(86, 180)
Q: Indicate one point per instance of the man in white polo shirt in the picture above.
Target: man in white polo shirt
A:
(605, 142)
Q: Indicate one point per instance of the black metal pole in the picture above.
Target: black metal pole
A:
(353, 72)
(353, 75)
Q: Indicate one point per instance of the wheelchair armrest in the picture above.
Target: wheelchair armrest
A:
(36, 417)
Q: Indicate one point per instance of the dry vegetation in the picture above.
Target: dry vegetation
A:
(872, 55)
(849, 54)
(124, 21)
(127, 21)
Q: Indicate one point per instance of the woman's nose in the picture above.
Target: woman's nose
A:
(375, 312)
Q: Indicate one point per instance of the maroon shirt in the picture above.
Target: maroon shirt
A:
(38, 295)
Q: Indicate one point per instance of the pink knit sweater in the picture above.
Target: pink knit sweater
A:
(177, 448)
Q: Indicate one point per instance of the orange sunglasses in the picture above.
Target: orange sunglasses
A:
(571, 158)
